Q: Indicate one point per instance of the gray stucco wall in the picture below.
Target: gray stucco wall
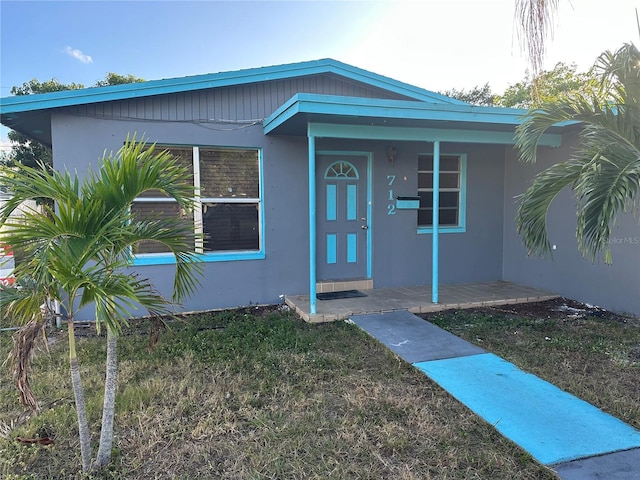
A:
(79, 143)
(400, 255)
(615, 287)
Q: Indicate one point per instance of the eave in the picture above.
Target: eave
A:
(364, 118)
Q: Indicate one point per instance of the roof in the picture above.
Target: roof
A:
(31, 114)
(67, 98)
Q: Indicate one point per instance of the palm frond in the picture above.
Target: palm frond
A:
(605, 166)
(531, 219)
(535, 19)
(178, 237)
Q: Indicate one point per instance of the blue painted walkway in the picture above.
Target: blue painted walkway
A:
(576, 439)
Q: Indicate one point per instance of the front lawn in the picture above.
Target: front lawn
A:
(258, 394)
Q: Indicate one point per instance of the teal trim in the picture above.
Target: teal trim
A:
(332, 202)
(422, 134)
(436, 215)
(262, 233)
(429, 230)
(332, 248)
(352, 202)
(369, 214)
(312, 225)
(83, 96)
(462, 210)
(168, 259)
(352, 247)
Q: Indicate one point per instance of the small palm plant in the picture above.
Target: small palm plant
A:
(604, 172)
(79, 253)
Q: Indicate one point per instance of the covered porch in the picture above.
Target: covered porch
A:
(356, 126)
(416, 299)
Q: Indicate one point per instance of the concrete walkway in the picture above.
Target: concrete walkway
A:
(574, 438)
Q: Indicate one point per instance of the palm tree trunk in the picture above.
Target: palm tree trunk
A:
(78, 393)
(108, 406)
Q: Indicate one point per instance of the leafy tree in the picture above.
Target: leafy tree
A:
(31, 153)
(117, 79)
(78, 254)
(26, 151)
(549, 85)
(604, 171)
(476, 96)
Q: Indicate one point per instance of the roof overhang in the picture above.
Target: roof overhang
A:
(366, 118)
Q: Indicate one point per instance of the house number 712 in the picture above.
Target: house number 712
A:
(391, 206)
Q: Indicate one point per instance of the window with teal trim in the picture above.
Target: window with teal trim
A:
(451, 208)
(341, 170)
(228, 214)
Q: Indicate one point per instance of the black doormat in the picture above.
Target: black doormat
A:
(337, 295)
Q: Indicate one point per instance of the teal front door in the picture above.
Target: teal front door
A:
(342, 224)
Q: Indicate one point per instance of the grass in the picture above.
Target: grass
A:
(259, 394)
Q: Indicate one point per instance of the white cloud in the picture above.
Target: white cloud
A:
(78, 55)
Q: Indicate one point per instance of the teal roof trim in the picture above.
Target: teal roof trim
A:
(24, 103)
(389, 109)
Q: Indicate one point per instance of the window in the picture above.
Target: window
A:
(452, 189)
(228, 212)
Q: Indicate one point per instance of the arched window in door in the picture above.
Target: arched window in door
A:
(341, 170)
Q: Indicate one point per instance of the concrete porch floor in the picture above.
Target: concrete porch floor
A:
(417, 299)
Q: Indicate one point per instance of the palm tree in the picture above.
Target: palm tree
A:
(604, 171)
(79, 254)
(535, 19)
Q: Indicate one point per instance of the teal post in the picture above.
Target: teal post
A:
(436, 220)
(312, 224)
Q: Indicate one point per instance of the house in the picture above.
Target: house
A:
(7, 261)
(319, 171)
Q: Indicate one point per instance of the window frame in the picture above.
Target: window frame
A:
(166, 258)
(461, 227)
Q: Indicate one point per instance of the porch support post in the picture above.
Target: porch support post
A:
(436, 220)
(312, 223)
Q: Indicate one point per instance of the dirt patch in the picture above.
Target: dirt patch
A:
(559, 308)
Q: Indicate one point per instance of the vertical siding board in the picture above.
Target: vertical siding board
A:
(226, 104)
(240, 113)
(173, 107)
(243, 102)
(268, 96)
(208, 94)
(180, 100)
(217, 104)
(188, 106)
(202, 105)
(254, 102)
(262, 100)
(147, 109)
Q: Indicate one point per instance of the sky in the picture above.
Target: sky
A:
(434, 44)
